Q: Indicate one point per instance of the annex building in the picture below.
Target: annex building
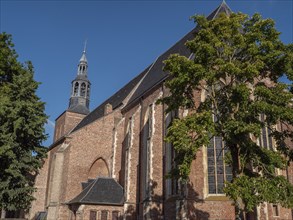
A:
(110, 163)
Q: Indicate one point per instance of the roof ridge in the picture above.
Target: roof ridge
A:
(99, 192)
(223, 4)
(170, 48)
(87, 188)
(138, 84)
(91, 185)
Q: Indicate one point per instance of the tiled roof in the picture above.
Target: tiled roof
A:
(103, 190)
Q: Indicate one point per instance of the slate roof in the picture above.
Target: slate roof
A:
(86, 184)
(151, 76)
(156, 74)
(223, 8)
(81, 109)
(103, 191)
(81, 77)
(83, 57)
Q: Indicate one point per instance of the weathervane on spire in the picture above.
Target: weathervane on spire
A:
(84, 49)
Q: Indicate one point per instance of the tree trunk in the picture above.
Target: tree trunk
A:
(239, 213)
(236, 172)
(3, 213)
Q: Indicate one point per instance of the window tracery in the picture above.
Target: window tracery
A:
(218, 170)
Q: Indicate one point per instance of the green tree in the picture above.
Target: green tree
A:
(22, 120)
(238, 61)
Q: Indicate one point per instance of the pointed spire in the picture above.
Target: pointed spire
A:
(223, 8)
(80, 93)
(82, 66)
(83, 56)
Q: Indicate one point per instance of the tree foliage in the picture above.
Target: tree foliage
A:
(22, 120)
(238, 61)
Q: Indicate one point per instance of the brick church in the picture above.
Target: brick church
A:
(111, 163)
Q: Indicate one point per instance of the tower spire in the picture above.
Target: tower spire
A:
(80, 93)
(84, 48)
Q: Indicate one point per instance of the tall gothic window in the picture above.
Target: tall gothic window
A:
(82, 90)
(75, 90)
(171, 184)
(127, 148)
(218, 170)
(147, 135)
(265, 139)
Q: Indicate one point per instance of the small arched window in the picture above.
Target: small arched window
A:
(82, 90)
(88, 91)
(75, 91)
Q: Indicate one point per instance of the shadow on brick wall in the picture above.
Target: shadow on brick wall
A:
(192, 200)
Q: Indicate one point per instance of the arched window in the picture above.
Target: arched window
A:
(88, 91)
(115, 215)
(104, 215)
(265, 140)
(82, 89)
(98, 168)
(127, 156)
(147, 151)
(171, 184)
(218, 170)
(75, 91)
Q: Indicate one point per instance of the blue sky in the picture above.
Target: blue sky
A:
(123, 38)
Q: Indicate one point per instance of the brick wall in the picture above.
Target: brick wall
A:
(39, 204)
(66, 122)
(99, 149)
(86, 146)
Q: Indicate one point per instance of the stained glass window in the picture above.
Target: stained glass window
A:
(147, 136)
(265, 139)
(218, 171)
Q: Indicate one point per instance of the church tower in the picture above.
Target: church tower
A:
(78, 103)
(80, 91)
